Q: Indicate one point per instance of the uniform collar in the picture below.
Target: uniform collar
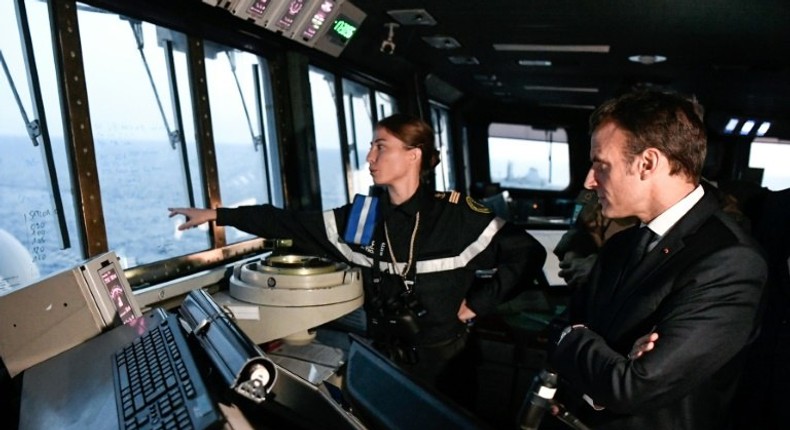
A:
(420, 200)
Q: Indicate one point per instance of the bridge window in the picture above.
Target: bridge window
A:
(38, 223)
(242, 118)
(445, 179)
(327, 135)
(770, 156)
(523, 157)
(145, 138)
(360, 118)
(385, 105)
(143, 134)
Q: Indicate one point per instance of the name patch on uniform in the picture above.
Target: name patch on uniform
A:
(362, 222)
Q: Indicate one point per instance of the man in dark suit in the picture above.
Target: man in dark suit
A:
(656, 338)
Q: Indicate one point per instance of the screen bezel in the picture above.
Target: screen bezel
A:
(93, 272)
(337, 38)
(124, 310)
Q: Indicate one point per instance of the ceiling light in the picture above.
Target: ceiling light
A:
(567, 89)
(441, 42)
(731, 124)
(747, 127)
(763, 128)
(541, 63)
(647, 59)
(600, 49)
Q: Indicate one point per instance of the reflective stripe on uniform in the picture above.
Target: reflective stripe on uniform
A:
(428, 266)
(461, 260)
(334, 238)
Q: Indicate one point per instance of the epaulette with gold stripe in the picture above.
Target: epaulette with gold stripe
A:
(452, 196)
(477, 206)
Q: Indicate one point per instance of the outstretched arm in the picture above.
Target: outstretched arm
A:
(194, 216)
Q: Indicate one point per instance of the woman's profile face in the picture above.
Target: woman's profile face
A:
(390, 160)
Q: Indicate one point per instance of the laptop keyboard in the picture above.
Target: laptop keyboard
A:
(157, 384)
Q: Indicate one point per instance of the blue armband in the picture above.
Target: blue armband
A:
(362, 222)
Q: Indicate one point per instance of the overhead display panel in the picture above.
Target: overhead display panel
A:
(335, 37)
(314, 23)
(326, 25)
(288, 14)
(256, 11)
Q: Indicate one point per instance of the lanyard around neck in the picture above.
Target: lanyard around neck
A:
(404, 273)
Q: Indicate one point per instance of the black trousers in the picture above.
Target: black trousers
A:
(449, 367)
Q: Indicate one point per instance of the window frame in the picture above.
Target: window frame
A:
(529, 135)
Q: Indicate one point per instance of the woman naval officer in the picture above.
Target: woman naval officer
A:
(418, 250)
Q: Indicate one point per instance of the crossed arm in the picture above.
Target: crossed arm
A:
(702, 325)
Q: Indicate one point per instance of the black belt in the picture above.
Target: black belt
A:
(410, 354)
(457, 335)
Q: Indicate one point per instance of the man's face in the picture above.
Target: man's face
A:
(619, 189)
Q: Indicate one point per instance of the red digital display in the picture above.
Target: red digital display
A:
(258, 8)
(118, 295)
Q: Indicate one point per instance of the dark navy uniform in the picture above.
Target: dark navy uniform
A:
(455, 237)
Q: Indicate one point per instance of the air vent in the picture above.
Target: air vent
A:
(463, 59)
(483, 77)
(442, 42)
(412, 17)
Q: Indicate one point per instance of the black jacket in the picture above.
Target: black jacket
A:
(700, 288)
(456, 236)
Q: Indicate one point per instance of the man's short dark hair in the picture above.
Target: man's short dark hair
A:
(669, 122)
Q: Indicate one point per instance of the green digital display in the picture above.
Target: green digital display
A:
(344, 28)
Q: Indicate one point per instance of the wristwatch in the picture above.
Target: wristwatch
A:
(569, 329)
